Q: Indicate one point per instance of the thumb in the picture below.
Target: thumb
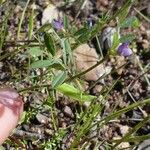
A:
(11, 107)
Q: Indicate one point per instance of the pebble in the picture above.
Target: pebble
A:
(41, 118)
(50, 13)
(124, 129)
(68, 112)
(145, 145)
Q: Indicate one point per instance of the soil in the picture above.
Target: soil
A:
(131, 88)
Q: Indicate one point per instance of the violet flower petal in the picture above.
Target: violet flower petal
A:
(58, 24)
(124, 49)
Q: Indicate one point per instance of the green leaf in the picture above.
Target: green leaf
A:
(123, 12)
(2, 1)
(64, 51)
(115, 43)
(115, 39)
(66, 22)
(74, 93)
(41, 64)
(83, 34)
(59, 79)
(127, 38)
(81, 31)
(35, 51)
(49, 43)
(130, 22)
(55, 63)
(44, 28)
(67, 53)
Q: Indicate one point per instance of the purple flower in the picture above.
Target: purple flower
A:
(124, 49)
(58, 24)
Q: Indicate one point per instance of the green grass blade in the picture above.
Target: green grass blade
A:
(137, 127)
(21, 20)
(4, 24)
(31, 22)
(124, 110)
(134, 138)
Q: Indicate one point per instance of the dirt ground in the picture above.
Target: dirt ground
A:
(132, 86)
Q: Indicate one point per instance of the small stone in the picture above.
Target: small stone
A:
(41, 118)
(49, 131)
(97, 89)
(124, 129)
(137, 114)
(117, 62)
(145, 145)
(145, 44)
(104, 2)
(148, 33)
(86, 104)
(50, 13)
(123, 145)
(68, 112)
(1, 65)
(142, 28)
(101, 5)
(17, 9)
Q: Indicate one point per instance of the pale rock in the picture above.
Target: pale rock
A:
(86, 104)
(41, 118)
(85, 57)
(50, 13)
(101, 5)
(118, 62)
(17, 9)
(148, 33)
(124, 129)
(97, 88)
(123, 145)
(145, 44)
(68, 112)
(145, 145)
(142, 28)
(1, 65)
(33, 6)
(104, 2)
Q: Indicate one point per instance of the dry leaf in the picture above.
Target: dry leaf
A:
(85, 57)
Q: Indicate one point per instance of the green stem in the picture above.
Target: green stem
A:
(146, 18)
(34, 87)
(21, 20)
